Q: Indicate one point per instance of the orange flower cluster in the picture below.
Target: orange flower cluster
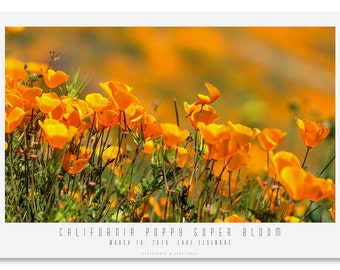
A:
(77, 127)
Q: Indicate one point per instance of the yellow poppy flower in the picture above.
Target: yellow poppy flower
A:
(97, 102)
(311, 133)
(48, 102)
(111, 153)
(148, 147)
(57, 134)
(292, 219)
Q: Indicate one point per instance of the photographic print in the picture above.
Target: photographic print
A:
(169, 141)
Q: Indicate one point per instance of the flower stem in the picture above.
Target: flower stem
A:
(304, 160)
(329, 163)
(15, 191)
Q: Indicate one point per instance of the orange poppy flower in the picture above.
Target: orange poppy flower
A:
(57, 134)
(213, 133)
(28, 95)
(311, 133)
(13, 118)
(196, 113)
(235, 218)
(120, 94)
(270, 138)
(133, 113)
(150, 127)
(238, 161)
(15, 68)
(73, 164)
(182, 157)
(107, 118)
(172, 135)
(280, 160)
(80, 106)
(14, 100)
(243, 134)
(214, 94)
(220, 140)
(53, 78)
(301, 184)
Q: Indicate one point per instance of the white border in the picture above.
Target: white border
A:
(44, 240)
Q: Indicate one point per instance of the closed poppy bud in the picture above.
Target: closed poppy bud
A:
(214, 94)
(13, 118)
(270, 138)
(311, 133)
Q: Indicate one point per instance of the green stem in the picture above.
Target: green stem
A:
(304, 160)
(176, 112)
(329, 163)
(15, 191)
(229, 191)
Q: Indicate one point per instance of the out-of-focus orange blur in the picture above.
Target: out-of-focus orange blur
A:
(266, 75)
